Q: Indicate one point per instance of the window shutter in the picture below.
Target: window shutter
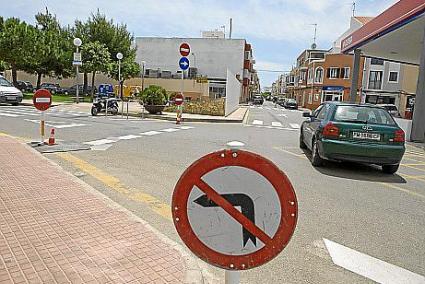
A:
(337, 72)
(328, 72)
(342, 72)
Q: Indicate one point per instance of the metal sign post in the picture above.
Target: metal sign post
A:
(42, 100)
(184, 65)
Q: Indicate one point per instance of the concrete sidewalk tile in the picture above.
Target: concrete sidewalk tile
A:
(56, 229)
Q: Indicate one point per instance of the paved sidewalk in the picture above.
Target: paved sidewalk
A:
(56, 229)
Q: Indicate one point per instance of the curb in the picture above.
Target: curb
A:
(168, 118)
(196, 269)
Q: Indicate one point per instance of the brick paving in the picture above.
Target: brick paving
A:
(53, 229)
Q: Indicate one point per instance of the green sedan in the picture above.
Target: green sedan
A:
(359, 133)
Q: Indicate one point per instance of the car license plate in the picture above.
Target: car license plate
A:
(10, 98)
(366, 136)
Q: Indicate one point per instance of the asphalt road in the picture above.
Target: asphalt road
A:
(138, 162)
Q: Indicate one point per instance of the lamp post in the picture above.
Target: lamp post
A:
(119, 57)
(77, 62)
(143, 75)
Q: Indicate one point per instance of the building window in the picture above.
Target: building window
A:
(393, 77)
(345, 73)
(310, 75)
(318, 76)
(310, 99)
(375, 80)
(333, 72)
(376, 61)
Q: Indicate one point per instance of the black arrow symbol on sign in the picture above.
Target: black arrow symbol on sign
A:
(236, 199)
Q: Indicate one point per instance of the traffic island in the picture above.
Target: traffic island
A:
(57, 229)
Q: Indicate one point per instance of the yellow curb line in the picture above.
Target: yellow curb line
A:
(114, 183)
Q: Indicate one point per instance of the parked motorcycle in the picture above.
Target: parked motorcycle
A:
(100, 102)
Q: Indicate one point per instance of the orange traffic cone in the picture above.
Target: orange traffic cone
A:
(52, 137)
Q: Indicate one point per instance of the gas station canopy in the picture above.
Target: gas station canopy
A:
(395, 35)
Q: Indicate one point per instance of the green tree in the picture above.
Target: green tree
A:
(52, 48)
(129, 69)
(96, 57)
(14, 41)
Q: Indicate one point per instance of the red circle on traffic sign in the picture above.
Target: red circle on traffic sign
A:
(223, 160)
(184, 49)
(178, 99)
(42, 99)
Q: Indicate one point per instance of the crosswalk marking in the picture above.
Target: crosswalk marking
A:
(283, 115)
(55, 124)
(128, 137)
(294, 125)
(276, 123)
(257, 122)
(99, 142)
(186, 127)
(150, 133)
(8, 114)
(170, 130)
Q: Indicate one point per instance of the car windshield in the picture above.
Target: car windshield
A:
(5, 83)
(292, 101)
(363, 114)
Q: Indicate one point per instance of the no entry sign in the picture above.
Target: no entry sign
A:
(42, 99)
(234, 209)
(184, 49)
(178, 100)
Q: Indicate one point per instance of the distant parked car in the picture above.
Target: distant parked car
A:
(8, 93)
(73, 90)
(258, 100)
(54, 88)
(281, 101)
(391, 108)
(361, 133)
(291, 103)
(24, 86)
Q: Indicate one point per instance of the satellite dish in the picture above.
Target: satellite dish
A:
(313, 46)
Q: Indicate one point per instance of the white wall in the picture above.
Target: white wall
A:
(212, 57)
(233, 93)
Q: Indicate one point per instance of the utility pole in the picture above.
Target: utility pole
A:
(354, 8)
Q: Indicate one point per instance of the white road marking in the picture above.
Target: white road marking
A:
(257, 122)
(99, 142)
(20, 112)
(274, 127)
(128, 137)
(66, 125)
(101, 147)
(170, 130)
(268, 108)
(294, 125)
(276, 123)
(260, 107)
(251, 106)
(370, 267)
(150, 133)
(186, 127)
(283, 115)
(55, 125)
(8, 114)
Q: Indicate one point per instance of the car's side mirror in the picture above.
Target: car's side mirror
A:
(307, 114)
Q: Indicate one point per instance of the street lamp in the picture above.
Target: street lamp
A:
(77, 62)
(119, 57)
(143, 75)
(224, 28)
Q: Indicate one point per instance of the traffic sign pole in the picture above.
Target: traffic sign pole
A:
(42, 127)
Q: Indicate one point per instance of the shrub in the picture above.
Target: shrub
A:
(154, 95)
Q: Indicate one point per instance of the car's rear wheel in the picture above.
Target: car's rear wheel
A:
(390, 169)
(316, 161)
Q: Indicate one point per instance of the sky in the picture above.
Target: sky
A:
(279, 30)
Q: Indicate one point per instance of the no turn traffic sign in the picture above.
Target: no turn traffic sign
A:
(205, 211)
(42, 99)
(184, 49)
(178, 99)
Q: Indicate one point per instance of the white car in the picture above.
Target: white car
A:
(8, 93)
(391, 108)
